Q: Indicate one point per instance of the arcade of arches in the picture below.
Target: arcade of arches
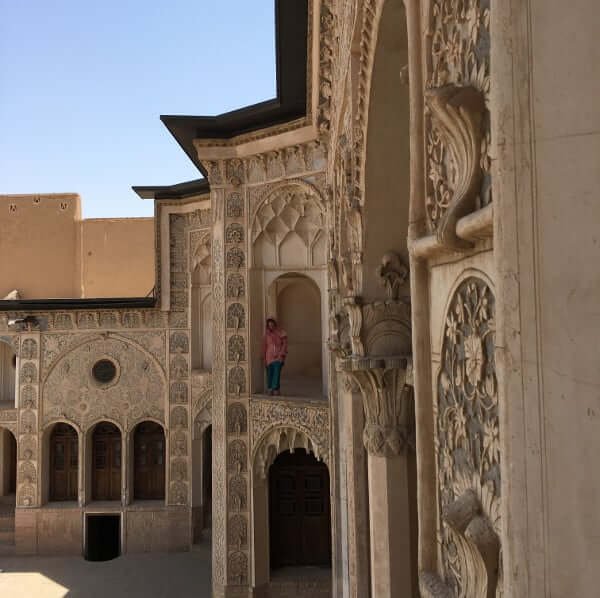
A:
(420, 224)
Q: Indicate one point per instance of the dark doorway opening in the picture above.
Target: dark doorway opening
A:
(207, 479)
(299, 511)
(12, 469)
(103, 537)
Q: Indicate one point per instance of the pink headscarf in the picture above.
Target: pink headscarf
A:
(274, 343)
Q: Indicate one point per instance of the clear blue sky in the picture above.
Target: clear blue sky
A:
(83, 82)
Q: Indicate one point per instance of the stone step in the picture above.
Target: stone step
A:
(299, 589)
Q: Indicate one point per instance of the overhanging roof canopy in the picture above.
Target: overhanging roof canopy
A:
(291, 47)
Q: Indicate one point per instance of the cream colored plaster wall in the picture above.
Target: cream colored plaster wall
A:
(547, 121)
(39, 245)
(117, 257)
(47, 251)
(566, 114)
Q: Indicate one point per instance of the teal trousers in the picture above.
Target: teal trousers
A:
(274, 375)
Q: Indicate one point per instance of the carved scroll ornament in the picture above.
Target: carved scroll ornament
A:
(454, 150)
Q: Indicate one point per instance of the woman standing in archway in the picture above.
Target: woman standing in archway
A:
(275, 343)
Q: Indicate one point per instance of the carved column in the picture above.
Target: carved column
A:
(357, 494)
(230, 380)
(388, 437)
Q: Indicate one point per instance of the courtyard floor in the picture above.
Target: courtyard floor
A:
(172, 575)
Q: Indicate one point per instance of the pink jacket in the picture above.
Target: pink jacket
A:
(274, 345)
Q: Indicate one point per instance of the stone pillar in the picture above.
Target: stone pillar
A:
(231, 465)
(388, 437)
(357, 492)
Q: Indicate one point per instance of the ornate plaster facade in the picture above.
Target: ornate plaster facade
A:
(420, 199)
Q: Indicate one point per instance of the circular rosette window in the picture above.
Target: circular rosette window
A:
(105, 372)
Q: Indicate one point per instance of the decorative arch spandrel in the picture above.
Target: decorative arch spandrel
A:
(69, 389)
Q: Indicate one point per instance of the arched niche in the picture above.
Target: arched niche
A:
(8, 467)
(8, 366)
(274, 443)
(288, 240)
(201, 305)
(295, 301)
(387, 156)
(311, 278)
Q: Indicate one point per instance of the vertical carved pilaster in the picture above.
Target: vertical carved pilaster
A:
(237, 383)
(219, 454)
(230, 378)
(179, 368)
(28, 487)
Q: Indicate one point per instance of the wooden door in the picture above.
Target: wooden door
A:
(106, 463)
(300, 518)
(63, 463)
(149, 460)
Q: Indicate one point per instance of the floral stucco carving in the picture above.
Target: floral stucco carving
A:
(455, 171)
(468, 450)
(70, 391)
(457, 121)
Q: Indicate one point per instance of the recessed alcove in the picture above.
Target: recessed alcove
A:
(288, 282)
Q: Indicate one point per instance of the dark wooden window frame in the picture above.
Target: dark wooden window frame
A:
(149, 455)
(64, 463)
(107, 446)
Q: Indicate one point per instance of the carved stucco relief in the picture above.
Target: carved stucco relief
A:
(233, 348)
(26, 431)
(309, 421)
(70, 391)
(468, 451)
(457, 119)
(219, 386)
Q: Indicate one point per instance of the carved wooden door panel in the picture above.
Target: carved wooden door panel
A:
(63, 463)
(300, 520)
(106, 457)
(149, 477)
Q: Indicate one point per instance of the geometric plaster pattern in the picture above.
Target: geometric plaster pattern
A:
(70, 391)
